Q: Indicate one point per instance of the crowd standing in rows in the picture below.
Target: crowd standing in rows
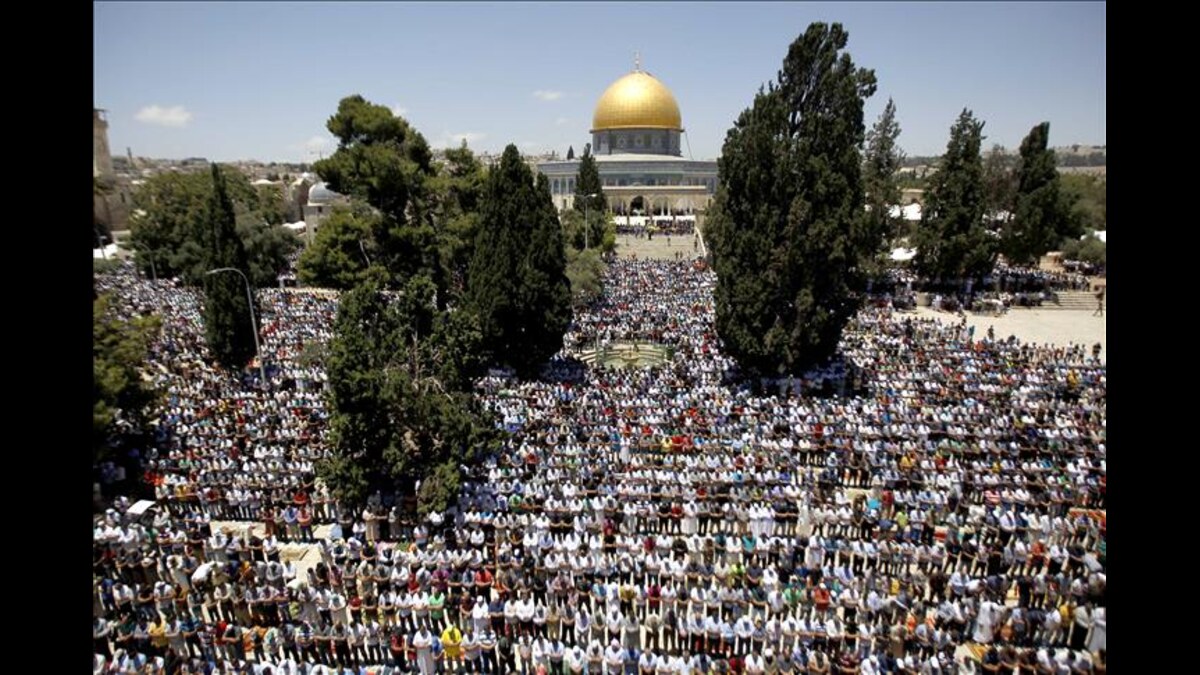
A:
(672, 519)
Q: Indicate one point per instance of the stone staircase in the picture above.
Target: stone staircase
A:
(1073, 300)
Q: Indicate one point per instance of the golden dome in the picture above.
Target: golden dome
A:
(637, 101)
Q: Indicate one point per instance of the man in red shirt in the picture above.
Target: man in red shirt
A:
(821, 598)
(483, 580)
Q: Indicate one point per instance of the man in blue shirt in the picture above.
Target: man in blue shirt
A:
(290, 522)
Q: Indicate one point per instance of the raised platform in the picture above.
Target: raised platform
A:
(627, 355)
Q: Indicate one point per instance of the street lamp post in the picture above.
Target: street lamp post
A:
(101, 239)
(262, 370)
(586, 226)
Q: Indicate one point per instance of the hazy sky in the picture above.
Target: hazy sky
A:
(258, 81)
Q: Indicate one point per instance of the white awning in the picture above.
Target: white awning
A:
(903, 254)
(140, 507)
(295, 227)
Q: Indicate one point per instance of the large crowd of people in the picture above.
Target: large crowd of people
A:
(674, 519)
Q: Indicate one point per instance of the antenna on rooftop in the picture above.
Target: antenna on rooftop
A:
(637, 61)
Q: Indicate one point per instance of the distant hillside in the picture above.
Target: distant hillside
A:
(1068, 156)
(1082, 155)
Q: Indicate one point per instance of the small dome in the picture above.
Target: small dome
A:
(319, 194)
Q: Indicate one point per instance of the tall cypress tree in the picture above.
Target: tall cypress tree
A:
(517, 283)
(227, 321)
(549, 305)
(594, 208)
(1043, 215)
(952, 241)
(787, 228)
(365, 340)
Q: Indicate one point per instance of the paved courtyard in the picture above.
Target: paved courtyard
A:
(661, 247)
(1039, 326)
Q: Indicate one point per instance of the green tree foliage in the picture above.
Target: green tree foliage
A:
(883, 161)
(458, 191)
(267, 250)
(1088, 195)
(340, 255)
(386, 163)
(227, 320)
(1089, 249)
(603, 234)
(999, 184)
(951, 240)
(787, 229)
(172, 228)
(105, 265)
(585, 271)
(400, 411)
(271, 205)
(1043, 215)
(517, 283)
(120, 395)
(594, 208)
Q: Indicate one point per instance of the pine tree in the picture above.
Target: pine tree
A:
(401, 414)
(1043, 216)
(227, 318)
(952, 241)
(121, 398)
(365, 338)
(999, 186)
(883, 161)
(386, 163)
(458, 191)
(517, 283)
(787, 228)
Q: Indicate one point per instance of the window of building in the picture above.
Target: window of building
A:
(620, 141)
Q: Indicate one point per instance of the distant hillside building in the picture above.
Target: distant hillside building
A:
(320, 203)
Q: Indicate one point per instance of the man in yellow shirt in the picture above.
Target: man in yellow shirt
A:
(452, 644)
(158, 637)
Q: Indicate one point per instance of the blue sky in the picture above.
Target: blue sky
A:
(258, 81)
